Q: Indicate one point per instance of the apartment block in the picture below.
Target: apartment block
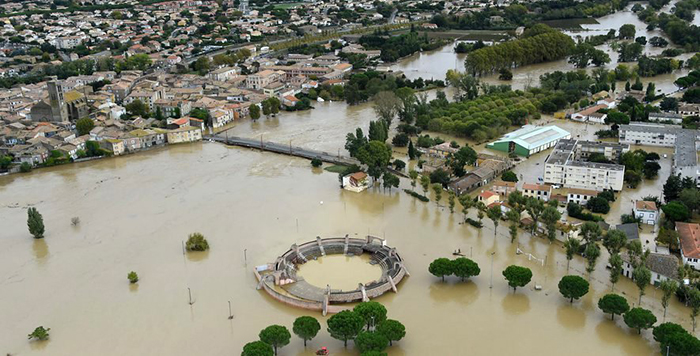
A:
(567, 165)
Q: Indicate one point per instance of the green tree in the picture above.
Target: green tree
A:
(681, 344)
(591, 253)
(345, 326)
(614, 241)
(441, 267)
(437, 189)
(202, 65)
(639, 318)
(412, 154)
(590, 231)
(550, 217)
(425, 183)
(676, 211)
(133, 277)
(40, 333)
(392, 330)
(613, 304)
(137, 108)
(509, 176)
(494, 213)
(257, 348)
(534, 207)
(451, 201)
(254, 112)
(573, 287)
(386, 105)
(375, 155)
(517, 276)
(627, 31)
(276, 336)
(413, 175)
(572, 246)
(694, 302)
(196, 242)
(663, 331)
(672, 188)
(513, 215)
(84, 126)
(372, 313)
(306, 328)
(615, 262)
(642, 277)
(371, 341)
(35, 223)
(463, 267)
(669, 288)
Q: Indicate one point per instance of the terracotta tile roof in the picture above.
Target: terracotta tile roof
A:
(487, 194)
(689, 234)
(645, 205)
(541, 187)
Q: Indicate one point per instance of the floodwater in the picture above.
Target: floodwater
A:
(135, 212)
(340, 272)
(434, 64)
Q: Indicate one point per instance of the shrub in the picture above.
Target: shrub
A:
(197, 242)
(40, 333)
(476, 223)
(418, 196)
(133, 277)
(25, 167)
(316, 162)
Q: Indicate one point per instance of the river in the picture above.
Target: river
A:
(136, 210)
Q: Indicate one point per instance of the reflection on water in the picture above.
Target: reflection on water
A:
(516, 303)
(197, 256)
(570, 316)
(41, 250)
(340, 272)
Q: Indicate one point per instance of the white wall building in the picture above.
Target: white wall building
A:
(646, 211)
(567, 166)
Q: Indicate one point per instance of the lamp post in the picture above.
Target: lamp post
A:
(491, 284)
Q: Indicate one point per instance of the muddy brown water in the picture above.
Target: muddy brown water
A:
(136, 211)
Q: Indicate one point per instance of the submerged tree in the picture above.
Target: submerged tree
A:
(35, 223)
(306, 328)
(517, 276)
(573, 287)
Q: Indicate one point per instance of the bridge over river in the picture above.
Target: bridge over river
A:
(285, 149)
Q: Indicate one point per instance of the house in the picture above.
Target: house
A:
(539, 191)
(591, 114)
(580, 196)
(356, 182)
(488, 197)
(646, 211)
(503, 188)
(664, 117)
(662, 267)
(631, 230)
(689, 236)
(115, 146)
(486, 171)
(184, 134)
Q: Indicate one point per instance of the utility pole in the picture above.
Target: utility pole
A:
(230, 314)
(189, 291)
(245, 256)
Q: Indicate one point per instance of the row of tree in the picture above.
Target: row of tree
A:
(366, 324)
(544, 45)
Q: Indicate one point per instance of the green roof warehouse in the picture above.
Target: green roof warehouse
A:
(529, 140)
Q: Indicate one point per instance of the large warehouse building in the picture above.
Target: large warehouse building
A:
(529, 140)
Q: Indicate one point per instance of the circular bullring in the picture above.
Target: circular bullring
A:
(282, 281)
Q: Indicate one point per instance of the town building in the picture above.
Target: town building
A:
(529, 140)
(685, 143)
(591, 114)
(662, 267)
(184, 134)
(567, 166)
(488, 197)
(646, 211)
(538, 191)
(503, 188)
(580, 196)
(689, 236)
(261, 79)
(486, 172)
(666, 117)
(355, 182)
